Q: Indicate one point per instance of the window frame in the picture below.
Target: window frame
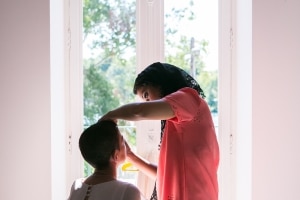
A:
(145, 55)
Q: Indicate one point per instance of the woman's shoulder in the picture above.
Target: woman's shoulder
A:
(189, 90)
(184, 94)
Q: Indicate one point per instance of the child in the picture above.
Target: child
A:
(103, 147)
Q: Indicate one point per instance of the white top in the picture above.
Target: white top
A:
(111, 190)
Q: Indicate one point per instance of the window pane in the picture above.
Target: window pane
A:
(191, 42)
(109, 63)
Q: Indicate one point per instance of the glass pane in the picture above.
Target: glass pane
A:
(191, 42)
(109, 63)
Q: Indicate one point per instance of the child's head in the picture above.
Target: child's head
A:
(102, 143)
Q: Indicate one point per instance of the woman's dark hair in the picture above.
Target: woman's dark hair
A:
(98, 142)
(167, 77)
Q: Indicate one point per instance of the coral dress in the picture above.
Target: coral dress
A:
(189, 153)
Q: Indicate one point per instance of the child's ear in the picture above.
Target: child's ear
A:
(116, 155)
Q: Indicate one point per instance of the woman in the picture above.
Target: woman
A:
(189, 151)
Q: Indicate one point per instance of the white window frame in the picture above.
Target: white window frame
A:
(66, 95)
(150, 48)
(74, 87)
(226, 135)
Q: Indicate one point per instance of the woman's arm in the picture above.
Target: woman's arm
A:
(143, 165)
(150, 110)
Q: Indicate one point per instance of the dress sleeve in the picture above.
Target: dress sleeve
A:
(185, 103)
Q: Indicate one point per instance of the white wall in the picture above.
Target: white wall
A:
(25, 151)
(41, 98)
(276, 99)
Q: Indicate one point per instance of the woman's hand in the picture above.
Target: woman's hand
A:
(107, 116)
(128, 150)
(140, 163)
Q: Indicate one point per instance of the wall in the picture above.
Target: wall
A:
(25, 100)
(275, 99)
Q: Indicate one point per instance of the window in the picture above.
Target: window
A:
(150, 46)
(109, 64)
(191, 42)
